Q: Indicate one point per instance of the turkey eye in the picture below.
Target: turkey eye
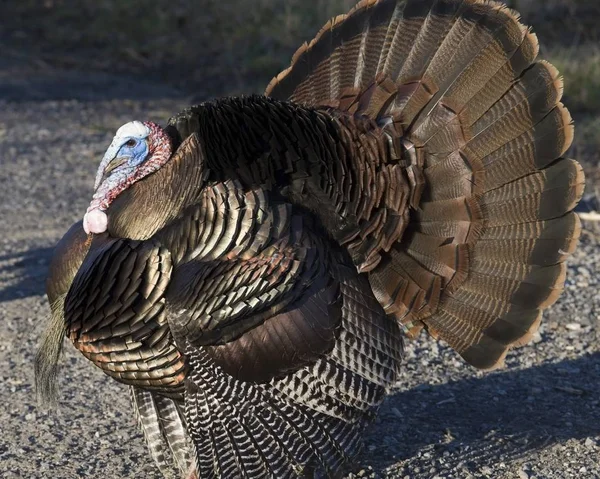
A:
(131, 143)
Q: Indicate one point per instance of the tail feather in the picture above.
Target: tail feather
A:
(529, 100)
(501, 80)
(484, 251)
(439, 21)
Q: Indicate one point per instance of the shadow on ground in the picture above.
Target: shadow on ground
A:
(25, 273)
(475, 422)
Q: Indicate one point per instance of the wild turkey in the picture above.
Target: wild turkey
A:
(251, 268)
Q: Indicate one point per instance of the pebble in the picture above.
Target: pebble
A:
(589, 443)
(573, 326)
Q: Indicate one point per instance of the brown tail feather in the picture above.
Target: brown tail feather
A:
(485, 248)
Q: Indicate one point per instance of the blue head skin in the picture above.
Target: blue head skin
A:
(128, 150)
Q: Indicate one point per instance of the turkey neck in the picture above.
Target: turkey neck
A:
(349, 172)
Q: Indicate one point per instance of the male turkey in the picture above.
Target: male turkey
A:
(250, 269)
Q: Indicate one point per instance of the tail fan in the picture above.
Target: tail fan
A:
(458, 80)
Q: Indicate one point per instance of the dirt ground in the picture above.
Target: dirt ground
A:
(539, 417)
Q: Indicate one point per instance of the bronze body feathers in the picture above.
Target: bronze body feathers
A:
(405, 172)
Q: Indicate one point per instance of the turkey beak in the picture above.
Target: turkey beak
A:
(109, 162)
(109, 157)
(114, 164)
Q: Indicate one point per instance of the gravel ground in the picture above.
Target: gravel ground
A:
(537, 417)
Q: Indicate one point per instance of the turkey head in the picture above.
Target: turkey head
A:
(137, 150)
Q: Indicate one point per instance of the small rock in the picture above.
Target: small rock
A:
(589, 442)
(573, 326)
(537, 337)
(523, 474)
